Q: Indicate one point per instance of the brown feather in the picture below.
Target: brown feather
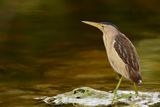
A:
(128, 54)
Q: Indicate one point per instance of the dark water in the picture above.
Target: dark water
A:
(45, 49)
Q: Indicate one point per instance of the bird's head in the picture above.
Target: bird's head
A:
(105, 27)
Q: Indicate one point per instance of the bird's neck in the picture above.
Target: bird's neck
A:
(109, 36)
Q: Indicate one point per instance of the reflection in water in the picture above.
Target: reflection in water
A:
(45, 51)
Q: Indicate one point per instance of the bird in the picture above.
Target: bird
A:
(122, 54)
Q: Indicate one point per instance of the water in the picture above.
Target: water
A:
(46, 50)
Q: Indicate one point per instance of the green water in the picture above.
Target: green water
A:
(46, 50)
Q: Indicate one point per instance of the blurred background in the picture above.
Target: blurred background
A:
(46, 50)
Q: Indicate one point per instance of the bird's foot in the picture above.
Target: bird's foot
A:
(114, 96)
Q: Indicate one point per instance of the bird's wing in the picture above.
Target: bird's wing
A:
(128, 54)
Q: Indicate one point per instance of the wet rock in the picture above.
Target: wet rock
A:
(91, 97)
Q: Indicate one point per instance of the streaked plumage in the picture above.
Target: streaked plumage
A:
(128, 54)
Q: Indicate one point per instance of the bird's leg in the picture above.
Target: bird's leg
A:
(135, 89)
(115, 90)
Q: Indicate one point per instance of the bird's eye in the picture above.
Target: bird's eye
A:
(102, 26)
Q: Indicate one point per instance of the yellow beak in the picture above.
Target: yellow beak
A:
(95, 24)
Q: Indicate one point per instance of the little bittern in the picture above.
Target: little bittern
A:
(121, 53)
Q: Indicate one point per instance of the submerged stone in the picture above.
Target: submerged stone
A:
(91, 97)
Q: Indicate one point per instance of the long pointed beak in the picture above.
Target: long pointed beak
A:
(95, 24)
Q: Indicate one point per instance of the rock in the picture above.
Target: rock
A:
(91, 97)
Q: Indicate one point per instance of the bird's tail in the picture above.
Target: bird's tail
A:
(136, 77)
